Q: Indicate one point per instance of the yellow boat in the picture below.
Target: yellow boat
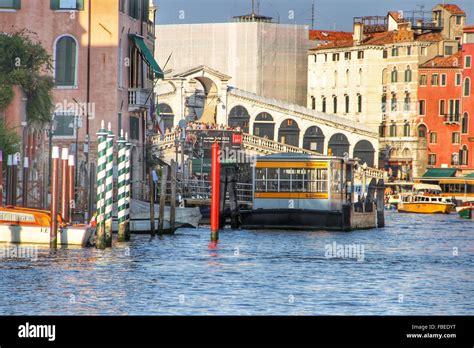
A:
(425, 204)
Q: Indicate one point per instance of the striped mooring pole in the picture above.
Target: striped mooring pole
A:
(109, 186)
(128, 183)
(121, 183)
(101, 172)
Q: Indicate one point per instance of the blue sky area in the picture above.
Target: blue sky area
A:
(329, 14)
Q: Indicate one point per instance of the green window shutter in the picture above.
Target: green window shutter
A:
(65, 67)
(17, 4)
(80, 5)
(54, 4)
(146, 9)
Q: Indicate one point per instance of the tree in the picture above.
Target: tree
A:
(25, 62)
(9, 140)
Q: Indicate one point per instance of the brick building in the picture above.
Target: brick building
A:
(103, 69)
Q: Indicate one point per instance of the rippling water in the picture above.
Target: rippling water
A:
(418, 264)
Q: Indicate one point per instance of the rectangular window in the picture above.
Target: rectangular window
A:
(457, 110)
(458, 20)
(434, 80)
(347, 56)
(335, 57)
(423, 80)
(433, 137)
(122, 6)
(394, 103)
(432, 159)
(458, 79)
(385, 54)
(315, 58)
(394, 51)
(442, 107)
(119, 122)
(134, 8)
(448, 50)
(134, 128)
(67, 5)
(455, 137)
(467, 62)
(421, 107)
(64, 125)
(10, 4)
(451, 109)
(423, 51)
(360, 54)
(408, 50)
(443, 79)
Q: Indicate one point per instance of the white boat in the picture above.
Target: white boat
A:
(140, 217)
(32, 226)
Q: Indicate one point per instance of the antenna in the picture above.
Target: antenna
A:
(312, 16)
(253, 8)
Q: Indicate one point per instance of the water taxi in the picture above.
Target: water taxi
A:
(426, 199)
(466, 210)
(310, 192)
(395, 191)
(32, 226)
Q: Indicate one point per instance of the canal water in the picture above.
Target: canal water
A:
(417, 265)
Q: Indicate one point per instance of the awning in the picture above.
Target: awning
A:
(440, 173)
(471, 175)
(147, 55)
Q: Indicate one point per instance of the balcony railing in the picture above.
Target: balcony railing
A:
(452, 118)
(137, 98)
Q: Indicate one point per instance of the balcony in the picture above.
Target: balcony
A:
(137, 97)
(452, 119)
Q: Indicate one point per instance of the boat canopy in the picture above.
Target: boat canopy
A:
(426, 187)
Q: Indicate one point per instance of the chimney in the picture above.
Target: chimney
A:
(358, 33)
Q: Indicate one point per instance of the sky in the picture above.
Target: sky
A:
(329, 14)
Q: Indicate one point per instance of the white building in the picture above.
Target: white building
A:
(265, 58)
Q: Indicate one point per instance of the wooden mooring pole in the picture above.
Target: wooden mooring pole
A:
(71, 187)
(152, 204)
(53, 241)
(161, 217)
(215, 184)
(173, 197)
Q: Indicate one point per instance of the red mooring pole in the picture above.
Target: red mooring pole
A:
(215, 184)
(24, 192)
(71, 188)
(64, 185)
(53, 240)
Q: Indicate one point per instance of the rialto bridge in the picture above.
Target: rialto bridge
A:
(269, 125)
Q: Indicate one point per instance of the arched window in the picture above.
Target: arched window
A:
(359, 103)
(464, 156)
(467, 87)
(313, 103)
(384, 76)
(384, 103)
(346, 99)
(65, 61)
(464, 123)
(422, 131)
(394, 75)
(406, 103)
(394, 102)
(406, 129)
(334, 104)
(408, 74)
(323, 104)
(393, 130)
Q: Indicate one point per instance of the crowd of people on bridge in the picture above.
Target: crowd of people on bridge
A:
(203, 126)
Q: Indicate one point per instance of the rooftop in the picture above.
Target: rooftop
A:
(453, 61)
(453, 8)
(326, 35)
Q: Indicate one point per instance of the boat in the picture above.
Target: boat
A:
(32, 226)
(395, 191)
(140, 217)
(310, 192)
(466, 210)
(426, 199)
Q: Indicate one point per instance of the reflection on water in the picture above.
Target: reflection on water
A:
(418, 264)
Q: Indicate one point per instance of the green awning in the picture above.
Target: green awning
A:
(471, 175)
(440, 173)
(147, 55)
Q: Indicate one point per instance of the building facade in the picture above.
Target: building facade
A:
(467, 126)
(101, 70)
(262, 57)
(373, 78)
